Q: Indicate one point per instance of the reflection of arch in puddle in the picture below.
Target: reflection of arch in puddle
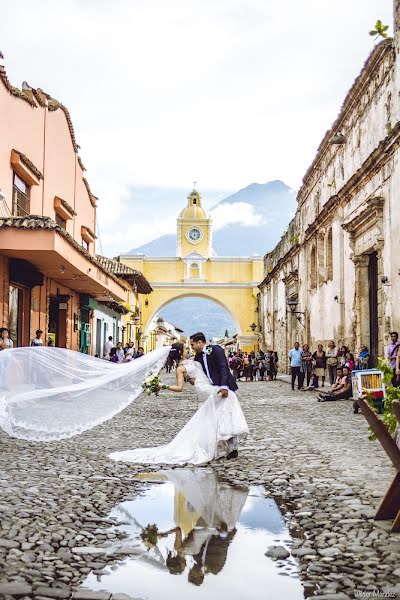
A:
(200, 494)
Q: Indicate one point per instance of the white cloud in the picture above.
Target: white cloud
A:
(134, 235)
(165, 92)
(237, 213)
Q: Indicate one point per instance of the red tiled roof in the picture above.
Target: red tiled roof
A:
(28, 163)
(39, 222)
(131, 275)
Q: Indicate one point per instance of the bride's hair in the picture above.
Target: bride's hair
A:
(176, 353)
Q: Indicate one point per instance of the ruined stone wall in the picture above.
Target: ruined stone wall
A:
(347, 209)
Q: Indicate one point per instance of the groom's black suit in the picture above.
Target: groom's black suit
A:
(217, 367)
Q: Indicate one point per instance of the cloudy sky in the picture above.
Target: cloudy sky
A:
(164, 92)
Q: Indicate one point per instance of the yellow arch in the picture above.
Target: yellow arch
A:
(191, 294)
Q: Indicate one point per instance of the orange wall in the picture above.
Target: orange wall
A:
(44, 137)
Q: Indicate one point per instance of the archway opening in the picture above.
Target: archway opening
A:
(196, 313)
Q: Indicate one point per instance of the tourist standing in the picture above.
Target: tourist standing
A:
(236, 365)
(37, 341)
(6, 342)
(319, 363)
(392, 352)
(120, 352)
(130, 350)
(273, 365)
(332, 361)
(342, 356)
(396, 377)
(306, 366)
(140, 352)
(295, 364)
(107, 348)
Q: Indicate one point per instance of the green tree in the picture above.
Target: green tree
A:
(226, 333)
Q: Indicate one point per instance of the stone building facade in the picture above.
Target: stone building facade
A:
(335, 272)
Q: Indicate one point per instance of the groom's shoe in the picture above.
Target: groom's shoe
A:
(233, 454)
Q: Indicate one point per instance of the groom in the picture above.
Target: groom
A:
(215, 366)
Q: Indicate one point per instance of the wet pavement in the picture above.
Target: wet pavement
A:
(193, 536)
(314, 461)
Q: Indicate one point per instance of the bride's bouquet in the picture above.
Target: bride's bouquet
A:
(151, 384)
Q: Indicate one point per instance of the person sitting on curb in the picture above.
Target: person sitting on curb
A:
(340, 382)
(340, 394)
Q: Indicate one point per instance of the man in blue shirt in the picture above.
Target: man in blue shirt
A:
(295, 364)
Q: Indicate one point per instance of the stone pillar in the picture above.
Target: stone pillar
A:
(396, 17)
(361, 301)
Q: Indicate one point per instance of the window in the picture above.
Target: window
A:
(321, 258)
(329, 255)
(194, 271)
(21, 194)
(85, 244)
(60, 221)
(313, 267)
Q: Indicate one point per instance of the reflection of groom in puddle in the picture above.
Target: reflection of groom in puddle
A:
(209, 523)
(209, 558)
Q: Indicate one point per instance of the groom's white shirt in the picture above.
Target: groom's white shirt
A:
(205, 361)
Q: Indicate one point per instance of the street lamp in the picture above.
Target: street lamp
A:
(292, 304)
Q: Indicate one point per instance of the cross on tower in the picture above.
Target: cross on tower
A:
(194, 184)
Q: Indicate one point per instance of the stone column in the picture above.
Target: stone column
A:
(361, 301)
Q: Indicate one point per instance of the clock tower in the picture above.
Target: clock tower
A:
(194, 235)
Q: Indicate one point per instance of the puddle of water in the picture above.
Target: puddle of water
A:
(209, 542)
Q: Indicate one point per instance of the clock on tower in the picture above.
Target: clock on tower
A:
(194, 228)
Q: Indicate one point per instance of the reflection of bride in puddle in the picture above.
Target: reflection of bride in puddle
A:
(206, 512)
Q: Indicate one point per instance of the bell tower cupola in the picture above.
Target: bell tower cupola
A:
(194, 233)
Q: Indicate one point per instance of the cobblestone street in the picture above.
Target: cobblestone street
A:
(315, 459)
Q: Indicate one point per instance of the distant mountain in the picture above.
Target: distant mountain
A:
(273, 204)
(199, 314)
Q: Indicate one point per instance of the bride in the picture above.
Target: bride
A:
(205, 436)
(50, 394)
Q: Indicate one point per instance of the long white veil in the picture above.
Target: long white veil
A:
(49, 394)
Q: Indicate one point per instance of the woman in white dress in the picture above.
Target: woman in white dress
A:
(205, 435)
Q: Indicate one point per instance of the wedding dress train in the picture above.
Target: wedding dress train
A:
(204, 436)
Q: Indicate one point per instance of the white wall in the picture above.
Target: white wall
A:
(110, 325)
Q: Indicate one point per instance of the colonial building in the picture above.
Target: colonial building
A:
(49, 273)
(162, 333)
(230, 281)
(108, 315)
(335, 272)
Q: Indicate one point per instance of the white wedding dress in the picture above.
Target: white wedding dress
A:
(204, 436)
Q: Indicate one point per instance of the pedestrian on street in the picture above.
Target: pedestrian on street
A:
(37, 341)
(130, 350)
(392, 352)
(332, 361)
(397, 379)
(107, 348)
(236, 366)
(306, 366)
(295, 364)
(6, 342)
(319, 363)
(274, 364)
(140, 352)
(120, 352)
